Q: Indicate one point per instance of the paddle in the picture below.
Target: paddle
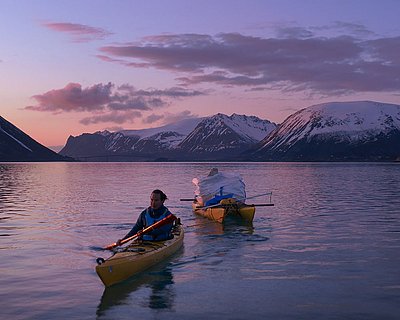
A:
(240, 199)
(158, 224)
(222, 205)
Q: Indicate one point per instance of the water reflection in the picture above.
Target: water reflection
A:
(210, 244)
(330, 243)
(159, 281)
(8, 182)
(12, 200)
(203, 226)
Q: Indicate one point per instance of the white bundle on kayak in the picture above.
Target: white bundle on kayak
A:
(217, 186)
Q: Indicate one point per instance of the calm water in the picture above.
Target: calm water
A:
(329, 249)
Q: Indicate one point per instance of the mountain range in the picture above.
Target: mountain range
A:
(219, 137)
(337, 131)
(15, 145)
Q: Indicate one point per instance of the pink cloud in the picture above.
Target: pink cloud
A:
(106, 102)
(79, 32)
(296, 60)
(73, 98)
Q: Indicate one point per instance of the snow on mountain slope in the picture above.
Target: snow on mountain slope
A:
(337, 131)
(16, 145)
(248, 126)
(165, 140)
(178, 140)
(245, 129)
(15, 139)
(343, 121)
(221, 132)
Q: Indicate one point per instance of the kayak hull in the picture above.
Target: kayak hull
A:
(138, 257)
(227, 208)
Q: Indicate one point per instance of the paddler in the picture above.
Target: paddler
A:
(155, 212)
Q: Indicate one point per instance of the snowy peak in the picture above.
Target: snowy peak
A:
(337, 131)
(332, 125)
(147, 141)
(348, 120)
(175, 141)
(165, 140)
(353, 116)
(250, 128)
(221, 132)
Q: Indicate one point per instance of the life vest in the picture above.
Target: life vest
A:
(161, 233)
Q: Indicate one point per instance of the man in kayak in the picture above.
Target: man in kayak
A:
(156, 212)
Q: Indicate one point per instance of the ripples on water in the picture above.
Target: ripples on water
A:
(329, 248)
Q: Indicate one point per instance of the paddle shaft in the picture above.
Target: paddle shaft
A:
(186, 199)
(222, 205)
(156, 225)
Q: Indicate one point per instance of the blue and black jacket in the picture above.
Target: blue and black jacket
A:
(148, 217)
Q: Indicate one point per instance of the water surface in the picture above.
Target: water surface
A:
(328, 249)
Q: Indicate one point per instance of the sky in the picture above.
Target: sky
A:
(73, 66)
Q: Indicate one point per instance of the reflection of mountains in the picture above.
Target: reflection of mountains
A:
(158, 279)
(14, 198)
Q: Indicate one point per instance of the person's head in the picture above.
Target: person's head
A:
(157, 199)
(213, 172)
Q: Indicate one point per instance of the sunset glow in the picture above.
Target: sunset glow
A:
(69, 67)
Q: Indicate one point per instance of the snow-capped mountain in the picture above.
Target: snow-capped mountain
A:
(221, 132)
(149, 141)
(166, 140)
(177, 141)
(15, 145)
(359, 130)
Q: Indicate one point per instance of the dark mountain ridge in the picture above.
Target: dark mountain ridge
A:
(15, 145)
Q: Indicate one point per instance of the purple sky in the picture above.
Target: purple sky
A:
(69, 67)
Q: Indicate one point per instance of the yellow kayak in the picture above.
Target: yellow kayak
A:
(138, 256)
(226, 208)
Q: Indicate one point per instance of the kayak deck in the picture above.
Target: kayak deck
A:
(137, 257)
(225, 209)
